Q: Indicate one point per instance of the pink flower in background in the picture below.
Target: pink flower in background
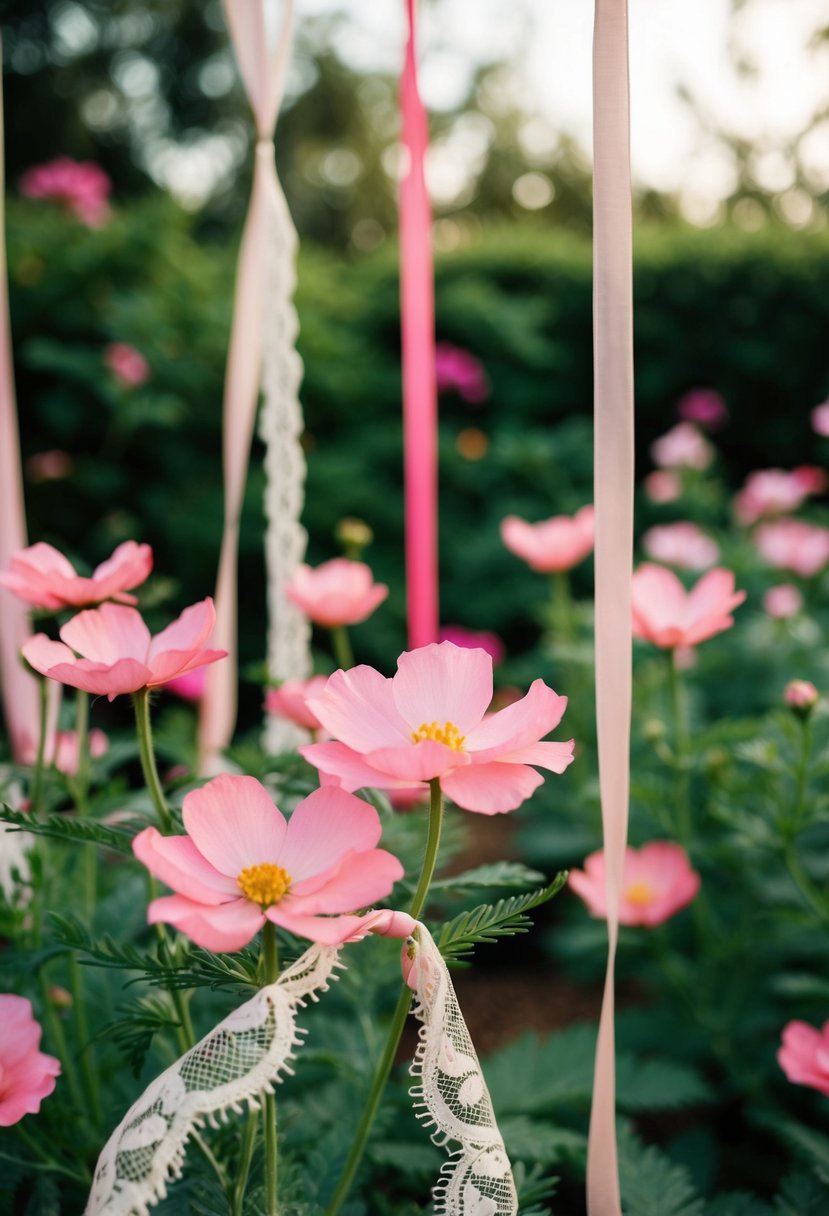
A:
(804, 1055)
(290, 701)
(190, 686)
(791, 544)
(471, 638)
(53, 465)
(683, 447)
(82, 187)
(681, 544)
(43, 577)
(776, 492)
(705, 406)
(820, 418)
(554, 544)
(339, 592)
(783, 601)
(801, 695)
(118, 654)
(458, 370)
(65, 752)
(662, 486)
(430, 721)
(667, 615)
(657, 883)
(241, 864)
(27, 1076)
(127, 364)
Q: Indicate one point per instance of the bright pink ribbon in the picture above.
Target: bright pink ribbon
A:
(613, 372)
(263, 75)
(20, 701)
(417, 308)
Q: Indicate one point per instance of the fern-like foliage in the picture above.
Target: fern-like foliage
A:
(496, 874)
(802, 1195)
(652, 1185)
(488, 922)
(134, 1032)
(67, 827)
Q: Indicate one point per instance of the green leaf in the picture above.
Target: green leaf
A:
(653, 1084)
(810, 1145)
(133, 1034)
(802, 1195)
(488, 922)
(67, 827)
(737, 1203)
(652, 1185)
(497, 874)
(532, 1140)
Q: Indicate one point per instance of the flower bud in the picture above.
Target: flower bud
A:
(801, 696)
(354, 535)
(59, 997)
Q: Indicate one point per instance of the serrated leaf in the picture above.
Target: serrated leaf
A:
(488, 922)
(737, 1203)
(134, 1033)
(650, 1084)
(532, 1140)
(809, 1144)
(652, 1185)
(802, 1195)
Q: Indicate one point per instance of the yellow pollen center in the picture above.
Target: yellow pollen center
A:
(639, 893)
(265, 884)
(448, 734)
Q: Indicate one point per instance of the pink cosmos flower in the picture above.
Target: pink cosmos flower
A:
(776, 492)
(554, 544)
(43, 577)
(662, 486)
(118, 654)
(82, 187)
(339, 592)
(804, 1055)
(53, 465)
(683, 447)
(657, 882)
(241, 864)
(127, 364)
(190, 686)
(667, 615)
(65, 752)
(791, 544)
(27, 1076)
(705, 406)
(782, 601)
(473, 639)
(820, 418)
(681, 544)
(290, 701)
(429, 721)
(458, 370)
(801, 695)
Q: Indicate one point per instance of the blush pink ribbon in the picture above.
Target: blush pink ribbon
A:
(19, 689)
(417, 318)
(613, 470)
(263, 75)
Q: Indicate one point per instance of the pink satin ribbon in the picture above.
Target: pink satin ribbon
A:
(19, 689)
(613, 372)
(263, 75)
(417, 309)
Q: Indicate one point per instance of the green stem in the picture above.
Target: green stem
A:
(59, 1044)
(801, 775)
(37, 777)
(682, 755)
(141, 702)
(400, 1014)
(80, 1175)
(270, 966)
(562, 608)
(810, 892)
(342, 647)
(245, 1157)
(89, 1069)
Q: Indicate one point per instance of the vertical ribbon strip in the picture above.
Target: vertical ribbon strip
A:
(417, 318)
(263, 74)
(19, 690)
(613, 471)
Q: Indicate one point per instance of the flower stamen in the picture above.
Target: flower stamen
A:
(264, 884)
(640, 893)
(448, 734)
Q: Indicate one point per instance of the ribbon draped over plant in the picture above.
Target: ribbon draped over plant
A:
(613, 455)
(261, 353)
(249, 1051)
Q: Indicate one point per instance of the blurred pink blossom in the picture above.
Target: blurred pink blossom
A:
(800, 695)
(190, 686)
(657, 883)
(791, 544)
(667, 615)
(82, 187)
(127, 364)
(64, 752)
(460, 370)
(44, 578)
(820, 418)
(471, 638)
(290, 701)
(27, 1076)
(777, 492)
(681, 544)
(662, 486)
(339, 592)
(705, 406)
(553, 544)
(53, 465)
(804, 1055)
(783, 601)
(683, 447)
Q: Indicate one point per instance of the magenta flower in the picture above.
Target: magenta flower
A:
(662, 486)
(64, 751)
(657, 882)
(681, 544)
(776, 492)
(804, 1055)
(705, 406)
(429, 721)
(118, 654)
(339, 592)
(127, 364)
(782, 601)
(459, 370)
(27, 1076)
(667, 615)
(474, 639)
(554, 544)
(82, 187)
(43, 577)
(290, 701)
(241, 864)
(683, 447)
(791, 544)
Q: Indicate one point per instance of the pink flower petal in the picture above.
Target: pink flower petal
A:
(358, 707)
(519, 724)
(349, 768)
(187, 633)
(234, 824)
(327, 930)
(359, 881)
(177, 862)
(107, 634)
(226, 928)
(173, 663)
(417, 762)
(42, 653)
(553, 756)
(443, 683)
(491, 789)
(324, 827)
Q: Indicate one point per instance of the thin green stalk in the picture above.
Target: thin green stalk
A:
(400, 1014)
(89, 1069)
(682, 754)
(811, 893)
(36, 797)
(562, 607)
(58, 1038)
(80, 1175)
(270, 966)
(141, 702)
(245, 1158)
(342, 647)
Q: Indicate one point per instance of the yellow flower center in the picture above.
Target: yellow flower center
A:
(639, 893)
(448, 734)
(264, 884)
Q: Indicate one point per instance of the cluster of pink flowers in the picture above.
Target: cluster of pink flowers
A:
(81, 186)
(769, 492)
(793, 544)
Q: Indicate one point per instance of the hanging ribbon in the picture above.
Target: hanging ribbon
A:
(264, 285)
(417, 318)
(19, 689)
(248, 1052)
(613, 379)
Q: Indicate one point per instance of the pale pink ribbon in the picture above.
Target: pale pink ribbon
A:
(613, 372)
(20, 701)
(263, 75)
(417, 319)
